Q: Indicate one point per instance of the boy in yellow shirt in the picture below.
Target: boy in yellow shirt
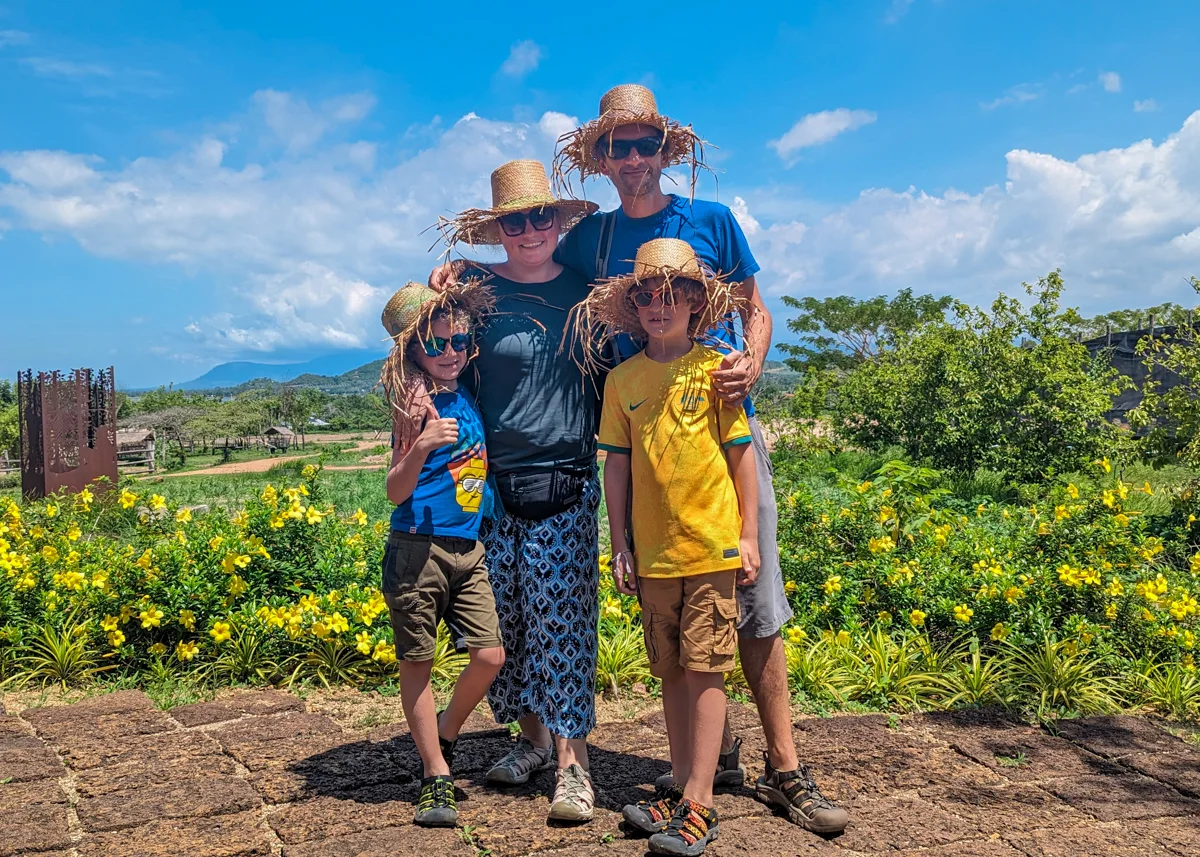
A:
(694, 500)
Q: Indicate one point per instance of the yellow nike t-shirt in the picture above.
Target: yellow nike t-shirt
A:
(669, 420)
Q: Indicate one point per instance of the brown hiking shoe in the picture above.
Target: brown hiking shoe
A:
(796, 793)
(731, 773)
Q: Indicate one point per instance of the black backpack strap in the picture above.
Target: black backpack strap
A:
(608, 225)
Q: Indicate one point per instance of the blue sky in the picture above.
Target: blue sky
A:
(182, 187)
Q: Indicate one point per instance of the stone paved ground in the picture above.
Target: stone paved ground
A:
(258, 774)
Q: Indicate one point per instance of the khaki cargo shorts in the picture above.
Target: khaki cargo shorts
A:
(428, 579)
(690, 622)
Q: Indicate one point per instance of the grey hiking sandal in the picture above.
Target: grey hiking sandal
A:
(574, 796)
(796, 793)
(522, 762)
(436, 807)
(689, 831)
(731, 773)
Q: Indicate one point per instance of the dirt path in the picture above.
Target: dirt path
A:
(262, 465)
(263, 772)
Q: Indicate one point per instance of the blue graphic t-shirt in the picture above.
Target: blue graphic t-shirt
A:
(709, 227)
(448, 499)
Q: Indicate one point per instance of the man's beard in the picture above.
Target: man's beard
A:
(642, 186)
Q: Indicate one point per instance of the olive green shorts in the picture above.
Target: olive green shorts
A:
(428, 579)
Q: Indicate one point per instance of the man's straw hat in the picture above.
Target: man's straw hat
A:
(608, 310)
(627, 104)
(516, 186)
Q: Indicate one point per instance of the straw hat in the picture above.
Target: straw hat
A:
(408, 313)
(608, 310)
(627, 104)
(516, 186)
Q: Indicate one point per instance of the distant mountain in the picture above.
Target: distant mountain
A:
(234, 374)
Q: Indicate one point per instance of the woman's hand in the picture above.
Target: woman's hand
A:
(624, 574)
(750, 561)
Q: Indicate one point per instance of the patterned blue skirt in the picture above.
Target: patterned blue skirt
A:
(545, 576)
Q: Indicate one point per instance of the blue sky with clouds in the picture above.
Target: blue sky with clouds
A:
(182, 187)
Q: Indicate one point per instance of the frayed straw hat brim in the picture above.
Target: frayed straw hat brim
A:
(477, 226)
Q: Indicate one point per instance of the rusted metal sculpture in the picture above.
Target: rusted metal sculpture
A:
(68, 430)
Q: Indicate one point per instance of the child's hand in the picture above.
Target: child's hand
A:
(750, 562)
(438, 432)
(624, 574)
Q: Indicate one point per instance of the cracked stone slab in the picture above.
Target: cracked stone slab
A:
(901, 822)
(241, 704)
(756, 837)
(328, 817)
(112, 716)
(1117, 736)
(996, 809)
(220, 836)
(741, 717)
(966, 848)
(12, 726)
(817, 736)
(1122, 795)
(1180, 835)
(407, 841)
(25, 758)
(1092, 840)
(288, 737)
(33, 817)
(1179, 772)
(153, 798)
(846, 775)
(1041, 756)
(156, 750)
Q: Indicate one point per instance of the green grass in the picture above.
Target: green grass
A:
(347, 489)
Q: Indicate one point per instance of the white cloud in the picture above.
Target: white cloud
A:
(1123, 224)
(898, 10)
(745, 219)
(1014, 95)
(1110, 80)
(817, 128)
(13, 37)
(1147, 106)
(522, 59)
(304, 228)
(65, 69)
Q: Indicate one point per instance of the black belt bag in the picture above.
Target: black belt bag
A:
(541, 494)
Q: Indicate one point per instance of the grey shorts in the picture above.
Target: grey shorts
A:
(764, 605)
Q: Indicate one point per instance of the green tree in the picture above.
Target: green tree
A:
(841, 332)
(1010, 390)
(1171, 416)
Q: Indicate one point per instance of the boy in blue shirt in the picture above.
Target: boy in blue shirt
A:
(433, 567)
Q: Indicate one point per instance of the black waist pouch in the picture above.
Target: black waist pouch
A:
(541, 494)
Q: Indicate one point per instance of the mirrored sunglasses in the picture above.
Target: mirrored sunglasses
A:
(514, 224)
(435, 346)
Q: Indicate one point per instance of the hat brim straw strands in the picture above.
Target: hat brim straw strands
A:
(408, 316)
(516, 186)
(608, 310)
(628, 104)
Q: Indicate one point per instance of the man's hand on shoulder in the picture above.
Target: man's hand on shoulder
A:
(735, 377)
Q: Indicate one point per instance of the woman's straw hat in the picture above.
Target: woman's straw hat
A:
(608, 309)
(409, 313)
(627, 104)
(516, 186)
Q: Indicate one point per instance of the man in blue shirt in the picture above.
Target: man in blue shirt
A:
(631, 144)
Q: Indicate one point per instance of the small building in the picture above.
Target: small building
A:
(279, 438)
(135, 448)
(317, 422)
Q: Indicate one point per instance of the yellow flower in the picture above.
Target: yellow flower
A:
(220, 631)
(157, 502)
(884, 616)
(186, 651)
(1012, 594)
(51, 510)
(359, 518)
(145, 560)
(384, 653)
(1111, 611)
(1060, 513)
(338, 623)
(917, 618)
(1043, 528)
(187, 619)
(1070, 576)
(270, 496)
(789, 587)
(363, 643)
(1108, 498)
(999, 632)
(85, 498)
(50, 553)
(309, 471)
(796, 635)
(183, 516)
(158, 650)
(237, 586)
(1115, 588)
(151, 617)
(74, 533)
(882, 544)
(1147, 615)
(1072, 492)
(320, 630)
(1122, 519)
(108, 623)
(1146, 488)
(963, 613)
(864, 488)
(127, 499)
(1104, 465)
(115, 639)
(233, 561)
(313, 516)
(833, 584)
(842, 638)
(74, 581)
(241, 520)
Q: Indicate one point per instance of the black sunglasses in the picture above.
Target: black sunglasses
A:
(514, 224)
(435, 346)
(618, 150)
(643, 298)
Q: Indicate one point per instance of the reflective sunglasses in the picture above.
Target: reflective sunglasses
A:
(643, 298)
(514, 224)
(618, 150)
(435, 346)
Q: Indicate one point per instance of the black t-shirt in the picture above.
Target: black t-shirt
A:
(540, 411)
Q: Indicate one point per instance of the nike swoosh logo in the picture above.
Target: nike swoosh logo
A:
(634, 407)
